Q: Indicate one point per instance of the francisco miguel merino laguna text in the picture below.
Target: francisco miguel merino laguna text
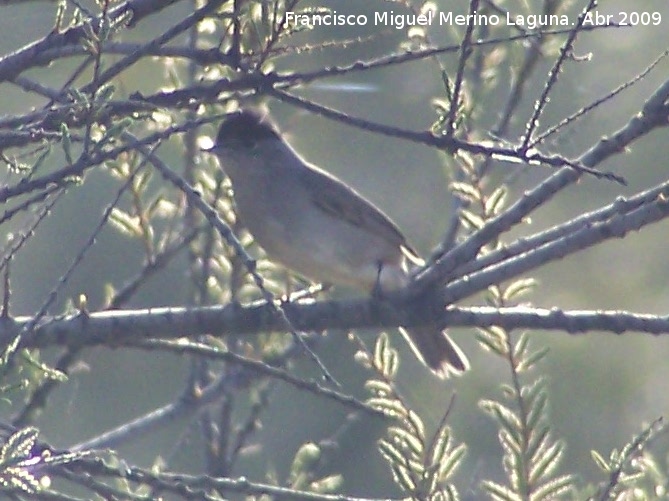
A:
(400, 21)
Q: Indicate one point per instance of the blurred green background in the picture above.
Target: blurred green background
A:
(603, 387)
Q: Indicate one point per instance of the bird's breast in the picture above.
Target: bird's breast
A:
(293, 230)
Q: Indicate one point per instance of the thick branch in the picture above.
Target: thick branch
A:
(112, 328)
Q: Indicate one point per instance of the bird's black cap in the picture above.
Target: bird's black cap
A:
(246, 127)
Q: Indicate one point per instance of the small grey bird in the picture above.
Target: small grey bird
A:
(316, 225)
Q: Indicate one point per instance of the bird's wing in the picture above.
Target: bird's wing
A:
(342, 202)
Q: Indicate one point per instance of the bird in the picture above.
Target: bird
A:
(318, 226)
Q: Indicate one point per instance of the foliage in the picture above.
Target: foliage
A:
(422, 468)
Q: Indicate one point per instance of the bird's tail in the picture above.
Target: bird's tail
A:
(436, 350)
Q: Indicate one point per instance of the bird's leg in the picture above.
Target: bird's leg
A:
(377, 290)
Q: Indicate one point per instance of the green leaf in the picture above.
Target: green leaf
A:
(79, 97)
(398, 466)
(536, 410)
(391, 452)
(500, 492)
(505, 416)
(406, 441)
(465, 191)
(449, 493)
(416, 424)
(390, 363)
(531, 360)
(546, 463)
(493, 296)
(554, 489)
(385, 356)
(449, 462)
(600, 462)
(441, 106)
(66, 142)
(496, 201)
(125, 223)
(520, 347)
(537, 441)
(18, 446)
(519, 288)
(380, 349)
(328, 485)
(390, 407)
(116, 129)
(490, 341)
(511, 443)
(306, 458)
(378, 387)
(142, 180)
(530, 391)
(19, 478)
(441, 445)
(106, 92)
(471, 220)
(403, 477)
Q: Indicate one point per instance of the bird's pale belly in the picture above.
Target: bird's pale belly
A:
(322, 258)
